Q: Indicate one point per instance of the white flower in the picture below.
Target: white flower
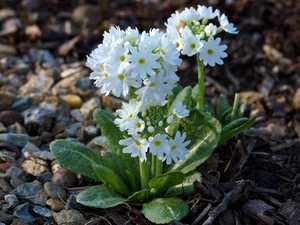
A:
(207, 12)
(228, 27)
(168, 51)
(143, 61)
(191, 44)
(175, 36)
(155, 90)
(180, 110)
(174, 21)
(159, 145)
(190, 14)
(212, 52)
(135, 146)
(178, 148)
(138, 125)
(128, 111)
(210, 30)
(117, 58)
(132, 35)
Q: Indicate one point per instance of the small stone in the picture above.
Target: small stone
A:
(38, 84)
(5, 100)
(87, 12)
(40, 198)
(17, 221)
(45, 177)
(29, 147)
(2, 194)
(11, 200)
(55, 204)
(88, 107)
(21, 211)
(296, 100)
(6, 158)
(19, 140)
(43, 211)
(34, 168)
(9, 117)
(54, 191)
(65, 178)
(72, 203)
(91, 131)
(73, 100)
(76, 114)
(44, 155)
(73, 130)
(5, 186)
(15, 172)
(38, 120)
(5, 218)
(26, 190)
(68, 217)
(21, 104)
(83, 83)
(19, 128)
(112, 102)
(16, 182)
(2, 128)
(31, 157)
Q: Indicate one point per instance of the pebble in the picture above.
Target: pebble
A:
(6, 158)
(37, 84)
(2, 128)
(5, 100)
(11, 200)
(89, 106)
(73, 130)
(29, 147)
(76, 114)
(5, 185)
(21, 104)
(83, 83)
(5, 218)
(54, 191)
(73, 100)
(21, 211)
(16, 182)
(44, 155)
(65, 178)
(296, 100)
(55, 204)
(15, 172)
(26, 190)
(8, 117)
(19, 140)
(44, 177)
(68, 217)
(34, 168)
(43, 211)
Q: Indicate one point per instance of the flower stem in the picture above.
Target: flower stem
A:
(235, 106)
(144, 172)
(159, 166)
(201, 87)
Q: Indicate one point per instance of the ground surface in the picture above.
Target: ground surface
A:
(254, 179)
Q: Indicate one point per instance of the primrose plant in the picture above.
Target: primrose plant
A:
(163, 132)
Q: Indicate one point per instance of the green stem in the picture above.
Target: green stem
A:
(159, 166)
(235, 106)
(144, 172)
(201, 86)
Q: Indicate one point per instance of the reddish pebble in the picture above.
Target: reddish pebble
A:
(9, 117)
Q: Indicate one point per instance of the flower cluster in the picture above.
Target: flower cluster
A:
(192, 33)
(129, 61)
(145, 129)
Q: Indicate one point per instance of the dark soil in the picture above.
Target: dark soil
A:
(252, 179)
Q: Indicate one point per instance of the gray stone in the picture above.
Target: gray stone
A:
(16, 182)
(26, 190)
(91, 131)
(43, 211)
(88, 107)
(20, 140)
(45, 177)
(45, 155)
(21, 211)
(76, 114)
(34, 168)
(55, 204)
(5, 186)
(2, 194)
(21, 104)
(29, 147)
(83, 83)
(6, 158)
(54, 191)
(16, 172)
(40, 198)
(5, 218)
(11, 200)
(73, 130)
(68, 217)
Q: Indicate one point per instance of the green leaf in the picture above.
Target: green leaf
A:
(184, 96)
(163, 182)
(204, 132)
(222, 106)
(164, 210)
(100, 196)
(234, 128)
(140, 196)
(122, 162)
(241, 110)
(76, 157)
(175, 91)
(187, 186)
(112, 179)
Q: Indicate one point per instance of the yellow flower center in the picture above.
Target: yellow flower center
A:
(121, 77)
(192, 45)
(130, 115)
(122, 58)
(142, 61)
(177, 44)
(173, 147)
(137, 143)
(157, 143)
(210, 51)
(105, 75)
(163, 52)
(138, 124)
(152, 85)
